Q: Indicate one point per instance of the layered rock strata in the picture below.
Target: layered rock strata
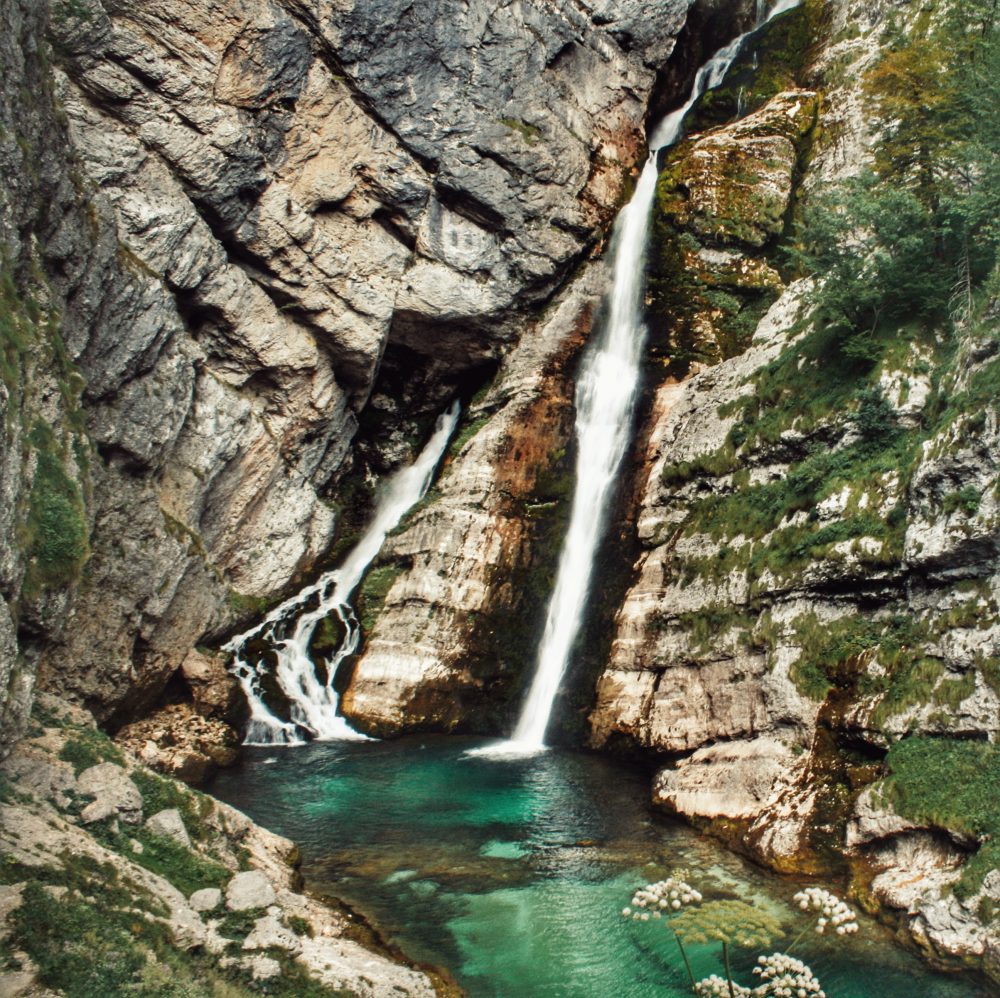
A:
(818, 577)
(241, 212)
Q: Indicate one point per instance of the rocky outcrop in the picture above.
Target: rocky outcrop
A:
(94, 899)
(818, 577)
(460, 623)
(248, 220)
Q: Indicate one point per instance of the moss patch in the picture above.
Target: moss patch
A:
(373, 591)
(939, 782)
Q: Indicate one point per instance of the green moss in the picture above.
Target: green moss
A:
(18, 331)
(58, 539)
(967, 500)
(466, 434)
(86, 747)
(159, 794)
(102, 939)
(373, 591)
(939, 782)
(187, 869)
(530, 133)
(238, 925)
(778, 60)
(834, 653)
(710, 624)
(244, 605)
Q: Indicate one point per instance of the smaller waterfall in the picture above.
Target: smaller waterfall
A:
(288, 633)
(605, 404)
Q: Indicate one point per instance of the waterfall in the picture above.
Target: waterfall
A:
(605, 404)
(288, 629)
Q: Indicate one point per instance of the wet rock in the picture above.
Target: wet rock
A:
(735, 184)
(215, 692)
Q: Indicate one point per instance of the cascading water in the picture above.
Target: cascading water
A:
(605, 403)
(287, 631)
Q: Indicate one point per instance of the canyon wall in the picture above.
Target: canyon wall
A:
(250, 250)
(233, 235)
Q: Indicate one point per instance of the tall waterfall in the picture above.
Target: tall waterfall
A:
(287, 631)
(605, 404)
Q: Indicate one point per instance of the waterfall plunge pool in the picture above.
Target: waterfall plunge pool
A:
(513, 872)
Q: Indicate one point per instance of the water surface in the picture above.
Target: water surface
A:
(513, 872)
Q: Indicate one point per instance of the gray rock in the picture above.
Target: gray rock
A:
(269, 933)
(169, 824)
(207, 899)
(115, 795)
(250, 889)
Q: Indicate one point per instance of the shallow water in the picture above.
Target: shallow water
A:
(513, 872)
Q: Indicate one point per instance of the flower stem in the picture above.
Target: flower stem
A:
(729, 973)
(684, 957)
(796, 940)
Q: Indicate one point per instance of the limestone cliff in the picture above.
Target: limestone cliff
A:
(234, 232)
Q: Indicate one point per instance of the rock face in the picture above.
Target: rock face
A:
(459, 625)
(131, 887)
(248, 216)
(818, 575)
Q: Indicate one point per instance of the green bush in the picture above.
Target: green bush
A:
(85, 747)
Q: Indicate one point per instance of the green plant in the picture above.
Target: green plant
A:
(938, 782)
(58, 535)
(85, 747)
(967, 499)
(373, 591)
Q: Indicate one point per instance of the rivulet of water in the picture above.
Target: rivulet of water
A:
(288, 629)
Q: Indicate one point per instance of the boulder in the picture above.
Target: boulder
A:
(268, 933)
(170, 825)
(115, 795)
(250, 889)
(207, 899)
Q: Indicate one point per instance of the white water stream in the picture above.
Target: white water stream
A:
(605, 404)
(288, 634)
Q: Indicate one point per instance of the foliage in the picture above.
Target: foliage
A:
(878, 251)
(103, 939)
(374, 589)
(466, 434)
(85, 747)
(58, 536)
(185, 868)
(967, 499)
(731, 922)
(939, 782)
(159, 794)
(735, 923)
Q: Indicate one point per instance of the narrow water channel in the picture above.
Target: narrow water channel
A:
(513, 872)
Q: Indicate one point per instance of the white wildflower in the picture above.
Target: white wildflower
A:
(783, 976)
(833, 912)
(669, 895)
(716, 987)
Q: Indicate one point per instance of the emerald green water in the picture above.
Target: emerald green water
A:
(513, 872)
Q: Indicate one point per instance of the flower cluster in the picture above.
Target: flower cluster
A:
(833, 911)
(663, 897)
(718, 987)
(785, 977)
